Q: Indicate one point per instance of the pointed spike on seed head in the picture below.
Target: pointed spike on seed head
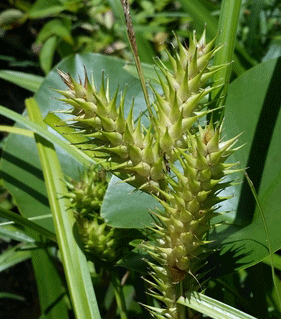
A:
(128, 137)
(68, 93)
(160, 102)
(203, 61)
(101, 108)
(148, 155)
(137, 135)
(135, 154)
(157, 170)
(102, 91)
(210, 45)
(213, 143)
(201, 161)
(66, 79)
(115, 138)
(202, 40)
(180, 70)
(175, 130)
(183, 53)
(107, 93)
(112, 110)
(175, 111)
(192, 67)
(80, 91)
(89, 108)
(166, 142)
(173, 61)
(195, 83)
(212, 71)
(143, 169)
(130, 118)
(224, 146)
(201, 146)
(108, 124)
(120, 122)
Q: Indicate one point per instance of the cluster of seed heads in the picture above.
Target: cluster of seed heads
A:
(100, 241)
(146, 156)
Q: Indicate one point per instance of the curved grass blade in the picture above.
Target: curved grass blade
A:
(74, 261)
(32, 229)
(13, 256)
(267, 235)
(211, 307)
(51, 292)
(16, 130)
(27, 81)
(73, 151)
(228, 22)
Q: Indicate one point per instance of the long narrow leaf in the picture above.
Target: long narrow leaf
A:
(211, 307)
(74, 261)
(73, 151)
(12, 257)
(27, 81)
(32, 229)
(228, 22)
(16, 130)
(51, 292)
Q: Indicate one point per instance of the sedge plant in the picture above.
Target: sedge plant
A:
(179, 159)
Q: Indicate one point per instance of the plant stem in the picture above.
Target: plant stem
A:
(180, 308)
(230, 11)
(119, 294)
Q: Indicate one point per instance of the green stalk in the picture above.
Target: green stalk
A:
(181, 308)
(74, 261)
(119, 295)
(230, 10)
(134, 47)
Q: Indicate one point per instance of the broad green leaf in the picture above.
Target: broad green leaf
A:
(28, 81)
(55, 27)
(52, 293)
(125, 207)
(276, 261)
(252, 107)
(11, 17)
(211, 307)
(42, 8)
(47, 53)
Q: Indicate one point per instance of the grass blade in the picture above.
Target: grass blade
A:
(16, 130)
(12, 257)
(51, 292)
(267, 235)
(27, 81)
(74, 261)
(31, 228)
(211, 307)
(42, 131)
(228, 22)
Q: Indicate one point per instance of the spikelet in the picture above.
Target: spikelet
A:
(132, 149)
(100, 241)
